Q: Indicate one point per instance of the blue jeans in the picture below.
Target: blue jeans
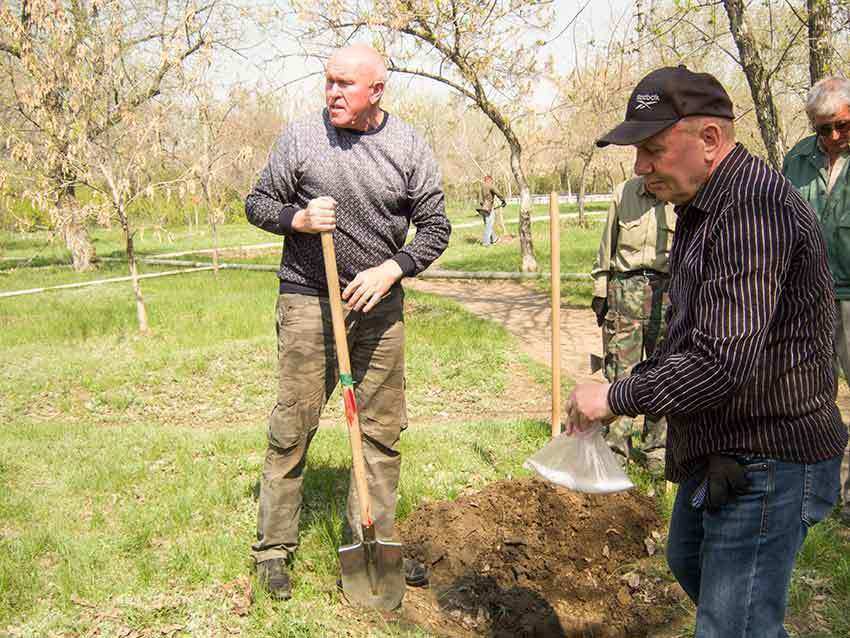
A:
(489, 236)
(736, 563)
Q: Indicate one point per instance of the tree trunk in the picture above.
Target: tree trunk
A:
(582, 183)
(70, 223)
(640, 27)
(212, 213)
(759, 81)
(820, 45)
(500, 218)
(141, 311)
(215, 240)
(566, 178)
(526, 244)
(72, 228)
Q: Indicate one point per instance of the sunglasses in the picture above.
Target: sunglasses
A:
(840, 127)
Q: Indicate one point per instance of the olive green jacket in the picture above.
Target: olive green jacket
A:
(638, 234)
(805, 167)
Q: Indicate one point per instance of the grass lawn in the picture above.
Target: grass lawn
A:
(578, 249)
(41, 249)
(128, 465)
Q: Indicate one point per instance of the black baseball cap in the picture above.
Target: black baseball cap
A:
(663, 98)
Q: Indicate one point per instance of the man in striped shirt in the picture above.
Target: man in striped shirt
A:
(744, 375)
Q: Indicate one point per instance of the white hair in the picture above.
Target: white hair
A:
(827, 96)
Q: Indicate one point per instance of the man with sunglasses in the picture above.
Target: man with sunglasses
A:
(818, 167)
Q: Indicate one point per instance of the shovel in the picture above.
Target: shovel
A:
(372, 569)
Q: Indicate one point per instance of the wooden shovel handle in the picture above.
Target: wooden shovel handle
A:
(555, 253)
(341, 340)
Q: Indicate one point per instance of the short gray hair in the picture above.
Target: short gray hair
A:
(827, 96)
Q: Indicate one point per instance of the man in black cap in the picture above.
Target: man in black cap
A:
(744, 375)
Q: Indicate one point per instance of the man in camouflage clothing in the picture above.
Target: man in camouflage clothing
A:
(630, 278)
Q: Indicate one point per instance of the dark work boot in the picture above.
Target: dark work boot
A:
(273, 578)
(415, 573)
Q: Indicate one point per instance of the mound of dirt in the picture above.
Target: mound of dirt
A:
(526, 558)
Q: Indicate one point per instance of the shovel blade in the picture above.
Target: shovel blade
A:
(378, 582)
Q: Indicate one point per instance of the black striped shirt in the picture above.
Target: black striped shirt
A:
(746, 366)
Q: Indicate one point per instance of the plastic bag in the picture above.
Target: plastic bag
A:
(582, 462)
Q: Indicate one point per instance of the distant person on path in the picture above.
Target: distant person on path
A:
(744, 374)
(818, 166)
(365, 175)
(630, 279)
(485, 209)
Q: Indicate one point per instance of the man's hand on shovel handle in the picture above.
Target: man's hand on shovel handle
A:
(588, 404)
(370, 285)
(318, 217)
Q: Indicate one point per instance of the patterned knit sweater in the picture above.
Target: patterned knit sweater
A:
(382, 180)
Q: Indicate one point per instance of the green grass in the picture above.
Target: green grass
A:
(41, 249)
(128, 464)
(152, 525)
(211, 357)
(579, 246)
(578, 249)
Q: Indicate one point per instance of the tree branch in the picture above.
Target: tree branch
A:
(433, 76)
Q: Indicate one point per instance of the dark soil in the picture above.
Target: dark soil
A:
(528, 559)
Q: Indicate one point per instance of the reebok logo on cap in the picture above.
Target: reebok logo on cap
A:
(645, 101)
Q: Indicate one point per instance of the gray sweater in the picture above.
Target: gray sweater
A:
(382, 180)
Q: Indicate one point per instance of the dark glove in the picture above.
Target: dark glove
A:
(600, 307)
(726, 479)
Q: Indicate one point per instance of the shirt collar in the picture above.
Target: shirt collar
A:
(645, 193)
(709, 197)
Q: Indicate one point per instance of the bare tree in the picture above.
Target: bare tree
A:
(820, 39)
(591, 99)
(758, 78)
(773, 44)
(215, 150)
(483, 51)
(123, 166)
(77, 69)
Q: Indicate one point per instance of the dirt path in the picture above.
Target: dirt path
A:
(525, 312)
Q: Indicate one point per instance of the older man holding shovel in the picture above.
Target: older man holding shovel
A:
(364, 175)
(744, 376)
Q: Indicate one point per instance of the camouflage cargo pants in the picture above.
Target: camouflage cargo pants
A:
(308, 375)
(633, 328)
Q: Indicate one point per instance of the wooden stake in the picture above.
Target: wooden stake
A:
(555, 252)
